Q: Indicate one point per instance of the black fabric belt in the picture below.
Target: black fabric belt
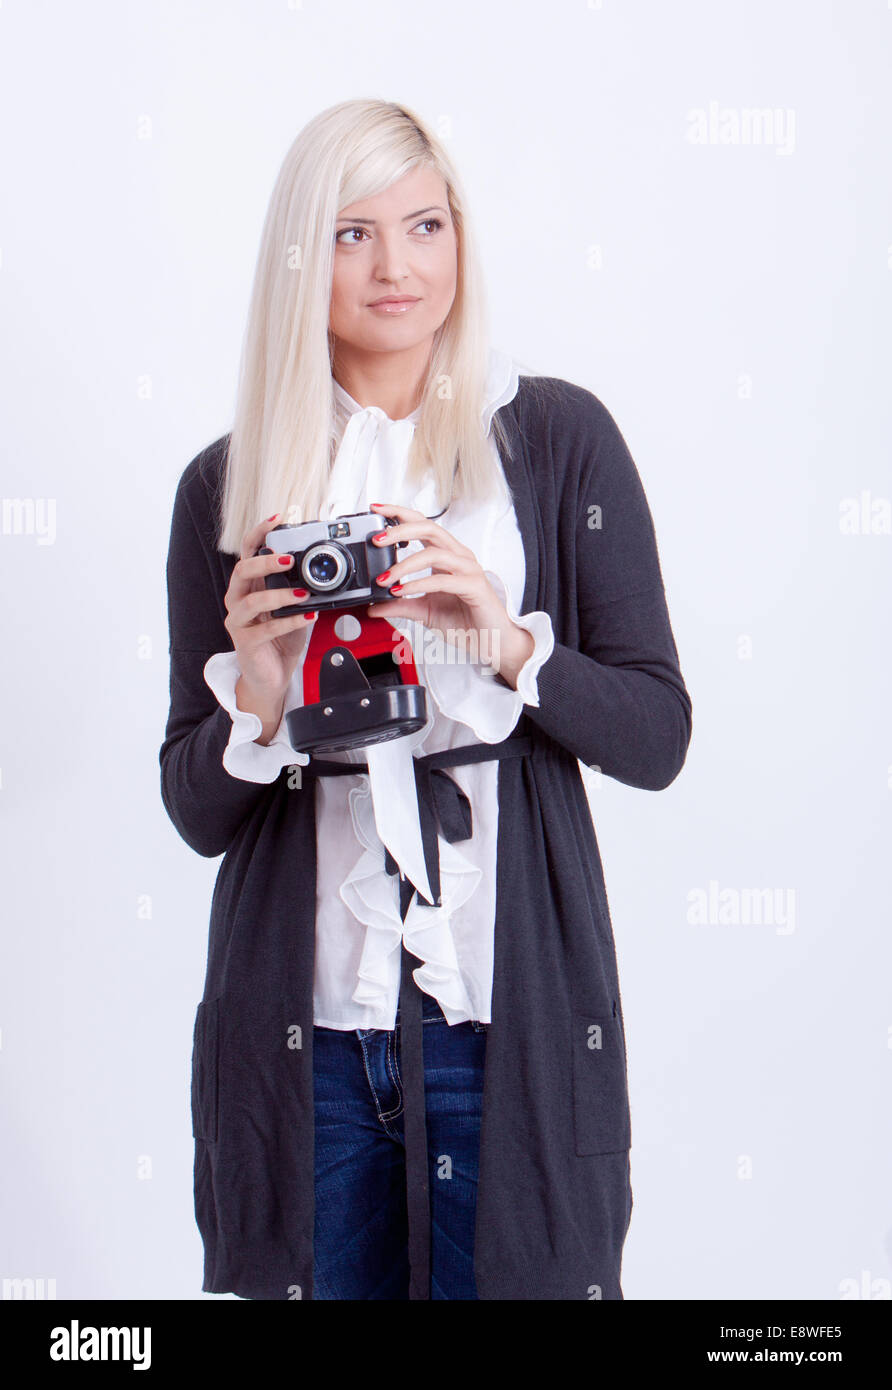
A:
(443, 809)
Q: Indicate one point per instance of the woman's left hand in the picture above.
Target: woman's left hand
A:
(456, 597)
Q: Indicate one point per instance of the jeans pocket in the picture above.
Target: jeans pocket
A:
(601, 1117)
(205, 1071)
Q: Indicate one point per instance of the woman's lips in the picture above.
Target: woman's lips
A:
(394, 307)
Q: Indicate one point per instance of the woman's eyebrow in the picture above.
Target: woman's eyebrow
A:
(370, 221)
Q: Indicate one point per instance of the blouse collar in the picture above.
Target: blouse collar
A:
(351, 406)
(501, 387)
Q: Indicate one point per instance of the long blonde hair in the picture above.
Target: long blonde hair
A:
(283, 437)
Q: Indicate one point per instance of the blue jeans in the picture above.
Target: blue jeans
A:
(361, 1229)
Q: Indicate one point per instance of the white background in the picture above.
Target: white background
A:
(738, 331)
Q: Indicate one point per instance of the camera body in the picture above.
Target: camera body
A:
(336, 560)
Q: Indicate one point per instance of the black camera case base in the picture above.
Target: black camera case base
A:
(352, 712)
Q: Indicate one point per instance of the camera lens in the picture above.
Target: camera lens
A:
(324, 567)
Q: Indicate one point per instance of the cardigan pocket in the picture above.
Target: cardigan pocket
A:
(205, 1071)
(601, 1116)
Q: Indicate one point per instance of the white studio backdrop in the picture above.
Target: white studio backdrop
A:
(684, 208)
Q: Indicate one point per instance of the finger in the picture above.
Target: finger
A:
(433, 556)
(253, 606)
(399, 608)
(464, 586)
(396, 509)
(280, 627)
(246, 572)
(423, 531)
(254, 538)
(253, 635)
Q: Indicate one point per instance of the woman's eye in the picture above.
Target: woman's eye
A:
(434, 222)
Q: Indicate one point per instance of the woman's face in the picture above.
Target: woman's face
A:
(401, 243)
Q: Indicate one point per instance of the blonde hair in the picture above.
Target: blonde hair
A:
(283, 438)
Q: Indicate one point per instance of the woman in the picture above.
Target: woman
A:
(343, 1149)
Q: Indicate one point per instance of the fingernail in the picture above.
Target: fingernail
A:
(285, 559)
(300, 593)
(381, 536)
(273, 517)
(382, 578)
(396, 588)
(308, 616)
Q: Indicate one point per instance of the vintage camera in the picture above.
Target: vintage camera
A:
(335, 560)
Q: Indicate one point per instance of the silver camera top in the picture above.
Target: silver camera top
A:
(353, 528)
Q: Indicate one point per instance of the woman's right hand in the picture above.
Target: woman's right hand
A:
(268, 649)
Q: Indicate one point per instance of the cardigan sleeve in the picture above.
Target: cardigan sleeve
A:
(205, 803)
(617, 699)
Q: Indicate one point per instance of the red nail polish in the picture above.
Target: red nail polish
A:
(396, 588)
(381, 536)
(308, 616)
(285, 559)
(300, 593)
(273, 517)
(382, 578)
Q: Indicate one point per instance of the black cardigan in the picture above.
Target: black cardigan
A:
(554, 1195)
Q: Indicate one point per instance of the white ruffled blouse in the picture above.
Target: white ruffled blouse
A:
(358, 923)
